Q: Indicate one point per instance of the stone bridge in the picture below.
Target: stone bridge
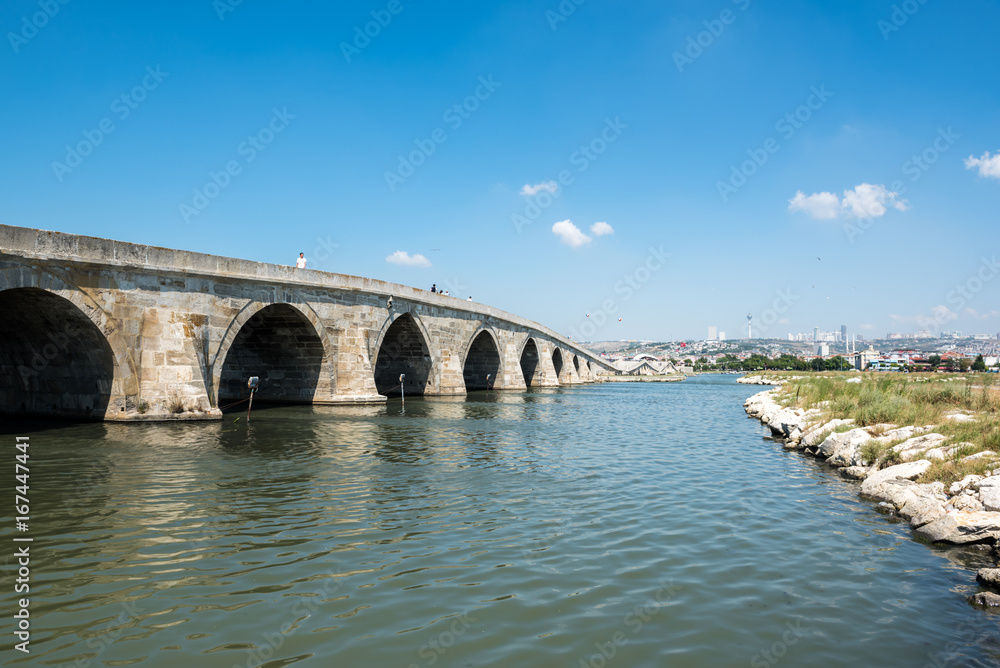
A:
(101, 329)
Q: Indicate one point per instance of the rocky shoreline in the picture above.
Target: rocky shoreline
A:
(765, 380)
(966, 513)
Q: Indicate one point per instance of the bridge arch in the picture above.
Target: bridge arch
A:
(286, 345)
(576, 364)
(530, 362)
(557, 363)
(482, 358)
(50, 327)
(403, 346)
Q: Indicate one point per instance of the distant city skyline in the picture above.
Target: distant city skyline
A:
(610, 170)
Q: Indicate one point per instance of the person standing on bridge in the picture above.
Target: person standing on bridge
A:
(434, 287)
(300, 263)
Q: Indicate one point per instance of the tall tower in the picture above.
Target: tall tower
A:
(749, 325)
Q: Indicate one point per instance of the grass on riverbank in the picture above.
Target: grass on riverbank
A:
(910, 399)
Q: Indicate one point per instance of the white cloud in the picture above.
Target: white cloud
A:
(863, 201)
(407, 260)
(546, 186)
(869, 201)
(601, 229)
(987, 315)
(941, 314)
(821, 206)
(988, 165)
(570, 234)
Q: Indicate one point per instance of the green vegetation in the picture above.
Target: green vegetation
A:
(919, 400)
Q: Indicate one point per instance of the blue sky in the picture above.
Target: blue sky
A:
(262, 129)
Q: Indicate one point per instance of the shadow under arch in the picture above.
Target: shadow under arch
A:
(402, 348)
(482, 360)
(530, 367)
(284, 347)
(54, 360)
(557, 362)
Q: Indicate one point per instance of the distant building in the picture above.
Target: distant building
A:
(863, 358)
(722, 336)
(815, 334)
(712, 335)
(823, 349)
(843, 332)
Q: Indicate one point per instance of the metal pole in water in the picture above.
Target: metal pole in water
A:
(252, 384)
(402, 394)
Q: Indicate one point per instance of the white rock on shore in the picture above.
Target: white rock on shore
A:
(911, 449)
(765, 380)
(968, 512)
(962, 527)
(844, 448)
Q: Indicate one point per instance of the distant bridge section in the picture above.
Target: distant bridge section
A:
(102, 329)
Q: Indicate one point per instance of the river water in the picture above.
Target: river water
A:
(611, 525)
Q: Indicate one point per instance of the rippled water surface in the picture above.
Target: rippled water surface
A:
(611, 525)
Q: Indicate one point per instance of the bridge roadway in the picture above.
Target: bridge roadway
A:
(101, 329)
